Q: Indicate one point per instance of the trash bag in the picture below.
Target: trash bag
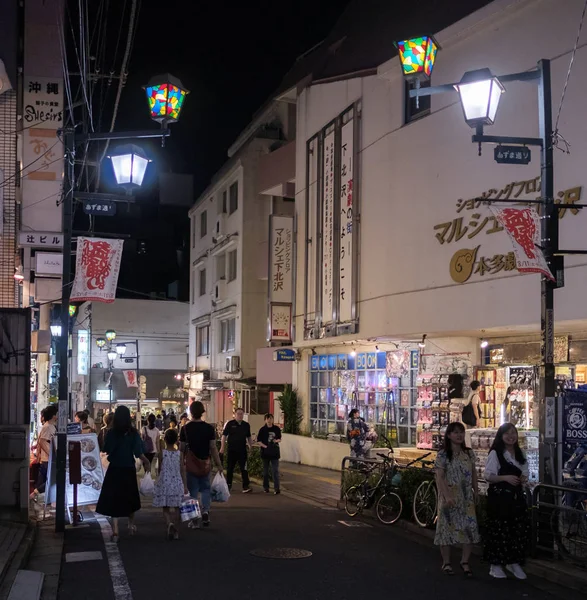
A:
(147, 486)
(189, 509)
(219, 491)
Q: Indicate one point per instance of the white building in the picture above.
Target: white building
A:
(229, 257)
(411, 178)
(156, 328)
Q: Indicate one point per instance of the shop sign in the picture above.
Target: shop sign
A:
(512, 155)
(196, 381)
(348, 362)
(328, 229)
(345, 262)
(40, 239)
(495, 355)
(130, 378)
(172, 394)
(83, 351)
(101, 208)
(280, 323)
(102, 395)
(473, 219)
(49, 263)
(280, 259)
(575, 416)
(284, 355)
(43, 102)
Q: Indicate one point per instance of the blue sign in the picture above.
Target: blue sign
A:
(414, 355)
(74, 428)
(284, 355)
(314, 363)
(332, 362)
(348, 362)
(323, 362)
(575, 417)
(342, 362)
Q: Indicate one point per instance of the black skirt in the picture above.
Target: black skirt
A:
(120, 493)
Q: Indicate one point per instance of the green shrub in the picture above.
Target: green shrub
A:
(290, 406)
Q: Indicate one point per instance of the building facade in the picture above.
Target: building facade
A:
(405, 270)
(229, 263)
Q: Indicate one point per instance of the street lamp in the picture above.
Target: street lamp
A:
(165, 94)
(100, 342)
(112, 355)
(55, 330)
(110, 335)
(480, 93)
(120, 349)
(130, 165)
(417, 56)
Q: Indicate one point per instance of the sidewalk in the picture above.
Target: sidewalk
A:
(16, 542)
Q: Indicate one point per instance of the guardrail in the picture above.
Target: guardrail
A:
(559, 525)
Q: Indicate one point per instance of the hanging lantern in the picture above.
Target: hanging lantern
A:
(417, 56)
(110, 335)
(166, 95)
(480, 93)
(129, 163)
(100, 342)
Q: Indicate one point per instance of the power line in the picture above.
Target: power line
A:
(7, 179)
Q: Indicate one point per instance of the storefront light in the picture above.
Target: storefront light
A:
(56, 330)
(480, 93)
(484, 343)
(120, 349)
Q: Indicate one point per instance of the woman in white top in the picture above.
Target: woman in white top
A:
(151, 437)
(507, 536)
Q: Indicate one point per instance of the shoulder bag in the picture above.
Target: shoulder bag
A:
(199, 467)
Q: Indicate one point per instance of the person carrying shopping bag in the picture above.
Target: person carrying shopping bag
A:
(198, 445)
(508, 527)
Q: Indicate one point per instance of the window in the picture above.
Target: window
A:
(233, 198)
(203, 223)
(232, 265)
(222, 203)
(193, 287)
(414, 112)
(202, 282)
(221, 267)
(203, 340)
(193, 232)
(227, 335)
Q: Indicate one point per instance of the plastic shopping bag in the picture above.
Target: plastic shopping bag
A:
(147, 486)
(219, 491)
(189, 509)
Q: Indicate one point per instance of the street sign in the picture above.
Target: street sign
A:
(102, 208)
(512, 155)
(284, 355)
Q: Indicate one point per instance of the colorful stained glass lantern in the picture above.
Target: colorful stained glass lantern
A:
(130, 165)
(72, 309)
(110, 335)
(166, 95)
(480, 93)
(417, 56)
(100, 342)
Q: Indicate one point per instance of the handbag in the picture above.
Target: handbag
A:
(197, 466)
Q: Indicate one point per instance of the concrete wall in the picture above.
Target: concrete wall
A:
(312, 451)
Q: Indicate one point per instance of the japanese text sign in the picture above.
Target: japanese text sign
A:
(131, 378)
(40, 239)
(43, 102)
(328, 230)
(96, 271)
(345, 275)
(280, 258)
(280, 323)
(512, 155)
(103, 208)
(523, 228)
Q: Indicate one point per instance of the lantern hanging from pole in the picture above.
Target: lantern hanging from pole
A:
(480, 93)
(100, 342)
(129, 163)
(417, 56)
(166, 95)
(110, 335)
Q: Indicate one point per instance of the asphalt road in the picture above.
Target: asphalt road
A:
(346, 562)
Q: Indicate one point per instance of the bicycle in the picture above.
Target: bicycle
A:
(569, 522)
(389, 505)
(425, 504)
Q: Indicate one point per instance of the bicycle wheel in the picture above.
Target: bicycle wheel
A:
(353, 501)
(425, 504)
(389, 508)
(570, 530)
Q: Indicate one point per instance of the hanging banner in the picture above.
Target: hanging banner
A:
(131, 379)
(328, 229)
(397, 363)
(83, 351)
(345, 271)
(523, 228)
(280, 258)
(96, 270)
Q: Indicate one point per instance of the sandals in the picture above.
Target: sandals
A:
(447, 569)
(466, 569)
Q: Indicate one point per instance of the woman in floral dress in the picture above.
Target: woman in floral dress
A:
(171, 484)
(456, 479)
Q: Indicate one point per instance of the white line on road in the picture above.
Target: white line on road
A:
(115, 564)
(71, 557)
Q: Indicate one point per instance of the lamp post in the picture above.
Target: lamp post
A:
(169, 93)
(480, 92)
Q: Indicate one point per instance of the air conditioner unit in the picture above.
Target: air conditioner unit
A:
(220, 230)
(219, 292)
(232, 364)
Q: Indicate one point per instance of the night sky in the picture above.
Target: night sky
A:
(231, 57)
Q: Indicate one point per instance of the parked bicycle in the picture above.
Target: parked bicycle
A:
(425, 504)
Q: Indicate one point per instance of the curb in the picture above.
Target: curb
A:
(19, 559)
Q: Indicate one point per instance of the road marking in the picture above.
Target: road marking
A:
(117, 573)
(72, 557)
(354, 524)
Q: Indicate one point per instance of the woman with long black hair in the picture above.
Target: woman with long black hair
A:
(120, 493)
(456, 480)
(507, 535)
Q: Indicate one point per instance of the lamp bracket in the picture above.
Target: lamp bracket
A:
(81, 138)
(506, 139)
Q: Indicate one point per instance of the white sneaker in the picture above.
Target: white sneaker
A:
(497, 572)
(516, 571)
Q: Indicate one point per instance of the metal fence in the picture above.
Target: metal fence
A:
(559, 522)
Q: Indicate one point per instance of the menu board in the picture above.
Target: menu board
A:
(92, 474)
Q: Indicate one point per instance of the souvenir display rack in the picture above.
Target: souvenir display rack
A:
(487, 406)
(433, 407)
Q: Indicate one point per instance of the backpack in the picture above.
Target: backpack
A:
(148, 442)
(468, 414)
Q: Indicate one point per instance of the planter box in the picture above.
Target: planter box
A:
(313, 452)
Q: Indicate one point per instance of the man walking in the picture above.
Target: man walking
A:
(269, 438)
(45, 440)
(237, 433)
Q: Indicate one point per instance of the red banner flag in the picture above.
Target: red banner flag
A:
(131, 379)
(96, 270)
(523, 228)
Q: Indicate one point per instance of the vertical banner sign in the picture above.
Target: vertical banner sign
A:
(280, 259)
(280, 323)
(96, 270)
(328, 229)
(83, 350)
(523, 228)
(345, 274)
(130, 377)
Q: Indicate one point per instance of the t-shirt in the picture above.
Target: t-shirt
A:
(154, 434)
(47, 433)
(237, 434)
(267, 435)
(198, 435)
(122, 449)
